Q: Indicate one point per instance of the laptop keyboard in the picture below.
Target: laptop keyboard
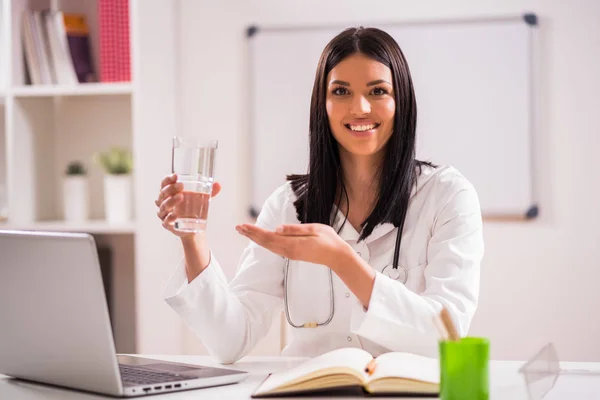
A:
(140, 376)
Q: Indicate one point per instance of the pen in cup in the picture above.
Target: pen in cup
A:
(445, 326)
(464, 369)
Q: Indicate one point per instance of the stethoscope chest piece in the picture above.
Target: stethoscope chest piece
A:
(398, 274)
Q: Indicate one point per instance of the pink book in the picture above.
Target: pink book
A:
(115, 51)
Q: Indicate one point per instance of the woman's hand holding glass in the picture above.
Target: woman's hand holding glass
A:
(170, 195)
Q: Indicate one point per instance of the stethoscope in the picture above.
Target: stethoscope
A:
(393, 271)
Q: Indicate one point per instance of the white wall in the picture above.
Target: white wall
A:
(155, 26)
(540, 279)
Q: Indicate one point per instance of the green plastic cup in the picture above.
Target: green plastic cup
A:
(464, 369)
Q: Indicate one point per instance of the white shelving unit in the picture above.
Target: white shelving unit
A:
(48, 126)
(91, 226)
(44, 127)
(88, 89)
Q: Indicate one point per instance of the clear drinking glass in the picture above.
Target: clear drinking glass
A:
(193, 161)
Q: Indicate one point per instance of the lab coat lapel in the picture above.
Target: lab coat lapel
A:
(348, 232)
(386, 227)
(380, 230)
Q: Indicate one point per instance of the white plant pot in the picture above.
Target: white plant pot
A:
(75, 198)
(117, 198)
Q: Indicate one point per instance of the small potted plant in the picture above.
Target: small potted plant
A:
(75, 193)
(117, 164)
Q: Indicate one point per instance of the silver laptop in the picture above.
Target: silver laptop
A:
(56, 327)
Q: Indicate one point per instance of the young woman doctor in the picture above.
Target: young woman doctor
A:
(363, 250)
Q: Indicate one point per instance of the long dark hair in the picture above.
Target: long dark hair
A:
(316, 191)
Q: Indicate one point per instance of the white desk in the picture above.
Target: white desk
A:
(506, 383)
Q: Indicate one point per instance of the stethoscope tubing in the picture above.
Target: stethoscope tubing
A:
(331, 294)
(286, 305)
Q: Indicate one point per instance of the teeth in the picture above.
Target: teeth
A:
(362, 128)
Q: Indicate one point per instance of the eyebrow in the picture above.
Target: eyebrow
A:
(375, 82)
(339, 83)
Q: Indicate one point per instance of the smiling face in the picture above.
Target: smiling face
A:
(360, 105)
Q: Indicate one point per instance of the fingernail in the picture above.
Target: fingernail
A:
(279, 229)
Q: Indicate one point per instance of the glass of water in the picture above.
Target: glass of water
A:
(193, 160)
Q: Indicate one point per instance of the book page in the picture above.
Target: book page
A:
(408, 366)
(352, 358)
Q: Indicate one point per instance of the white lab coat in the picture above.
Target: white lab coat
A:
(442, 246)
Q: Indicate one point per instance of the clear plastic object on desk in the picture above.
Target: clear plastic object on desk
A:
(542, 371)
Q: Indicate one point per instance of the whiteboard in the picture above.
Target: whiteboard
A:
(474, 88)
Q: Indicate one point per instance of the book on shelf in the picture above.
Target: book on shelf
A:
(114, 40)
(57, 48)
(355, 370)
(32, 53)
(78, 37)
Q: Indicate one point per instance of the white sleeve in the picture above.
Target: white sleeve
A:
(454, 254)
(231, 318)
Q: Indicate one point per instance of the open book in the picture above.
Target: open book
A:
(393, 373)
